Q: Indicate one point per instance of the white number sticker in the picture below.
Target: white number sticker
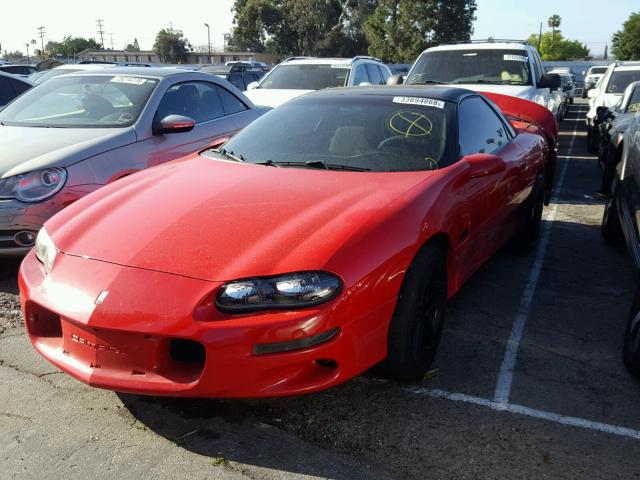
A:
(129, 80)
(516, 58)
(427, 102)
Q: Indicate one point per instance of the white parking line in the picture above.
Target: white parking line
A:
(529, 412)
(505, 377)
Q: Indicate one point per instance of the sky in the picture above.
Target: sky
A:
(590, 21)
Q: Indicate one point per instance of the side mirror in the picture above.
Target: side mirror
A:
(252, 86)
(484, 164)
(175, 124)
(395, 80)
(552, 81)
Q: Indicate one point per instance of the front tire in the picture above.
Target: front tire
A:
(631, 346)
(416, 326)
(530, 220)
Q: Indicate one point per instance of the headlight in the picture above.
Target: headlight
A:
(33, 186)
(288, 291)
(46, 250)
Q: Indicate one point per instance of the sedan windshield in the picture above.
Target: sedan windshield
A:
(306, 77)
(378, 133)
(503, 67)
(81, 101)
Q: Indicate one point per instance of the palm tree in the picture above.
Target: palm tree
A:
(554, 22)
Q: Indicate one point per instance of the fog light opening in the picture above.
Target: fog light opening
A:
(327, 363)
(189, 351)
(25, 238)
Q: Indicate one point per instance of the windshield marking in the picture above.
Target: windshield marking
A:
(428, 102)
(129, 80)
(515, 58)
(411, 124)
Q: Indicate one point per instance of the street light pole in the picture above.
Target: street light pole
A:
(41, 34)
(208, 40)
(27, 45)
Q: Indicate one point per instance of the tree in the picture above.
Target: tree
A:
(132, 47)
(399, 30)
(70, 46)
(559, 48)
(171, 45)
(554, 23)
(14, 56)
(625, 43)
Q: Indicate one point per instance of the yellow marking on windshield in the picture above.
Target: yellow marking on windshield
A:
(411, 124)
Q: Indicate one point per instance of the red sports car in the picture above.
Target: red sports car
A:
(324, 239)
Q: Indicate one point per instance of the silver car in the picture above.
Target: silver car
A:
(75, 133)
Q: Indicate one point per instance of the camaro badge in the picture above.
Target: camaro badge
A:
(102, 296)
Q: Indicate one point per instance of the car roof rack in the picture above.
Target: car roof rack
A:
(488, 40)
(296, 58)
(365, 57)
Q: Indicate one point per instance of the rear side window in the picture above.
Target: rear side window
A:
(19, 86)
(6, 91)
(384, 73)
(230, 102)
(481, 130)
(374, 74)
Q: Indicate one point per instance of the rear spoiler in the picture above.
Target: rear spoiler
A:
(531, 112)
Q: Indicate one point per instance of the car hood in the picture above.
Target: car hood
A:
(30, 148)
(218, 220)
(527, 91)
(269, 97)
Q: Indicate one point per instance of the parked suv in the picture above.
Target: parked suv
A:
(594, 74)
(607, 93)
(509, 67)
(299, 75)
(238, 75)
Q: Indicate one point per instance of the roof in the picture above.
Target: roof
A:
(437, 92)
(158, 72)
(15, 77)
(627, 66)
(326, 61)
(482, 46)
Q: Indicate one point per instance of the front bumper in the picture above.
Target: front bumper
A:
(146, 336)
(16, 217)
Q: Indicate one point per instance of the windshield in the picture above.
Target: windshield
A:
(504, 67)
(634, 101)
(82, 102)
(620, 80)
(377, 133)
(40, 77)
(598, 70)
(306, 77)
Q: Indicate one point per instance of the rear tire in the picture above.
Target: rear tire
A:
(530, 221)
(631, 346)
(611, 228)
(416, 326)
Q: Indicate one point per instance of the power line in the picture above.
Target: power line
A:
(101, 32)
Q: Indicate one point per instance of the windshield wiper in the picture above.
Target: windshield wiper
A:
(428, 82)
(228, 154)
(324, 165)
(266, 163)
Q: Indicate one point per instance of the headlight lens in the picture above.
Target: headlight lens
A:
(46, 250)
(288, 291)
(33, 186)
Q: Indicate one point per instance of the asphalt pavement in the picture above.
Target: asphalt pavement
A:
(528, 384)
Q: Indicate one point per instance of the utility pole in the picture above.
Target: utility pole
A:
(41, 34)
(27, 45)
(101, 32)
(111, 36)
(208, 40)
(540, 38)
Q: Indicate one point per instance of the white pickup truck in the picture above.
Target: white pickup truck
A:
(508, 67)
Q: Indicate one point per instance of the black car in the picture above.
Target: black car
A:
(621, 224)
(611, 123)
(238, 75)
(11, 86)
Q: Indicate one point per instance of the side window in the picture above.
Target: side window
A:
(481, 130)
(374, 74)
(19, 87)
(252, 77)
(230, 102)
(197, 100)
(360, 75)
(537, 65)
(384, 73)
(6, 91)
(235, 79)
